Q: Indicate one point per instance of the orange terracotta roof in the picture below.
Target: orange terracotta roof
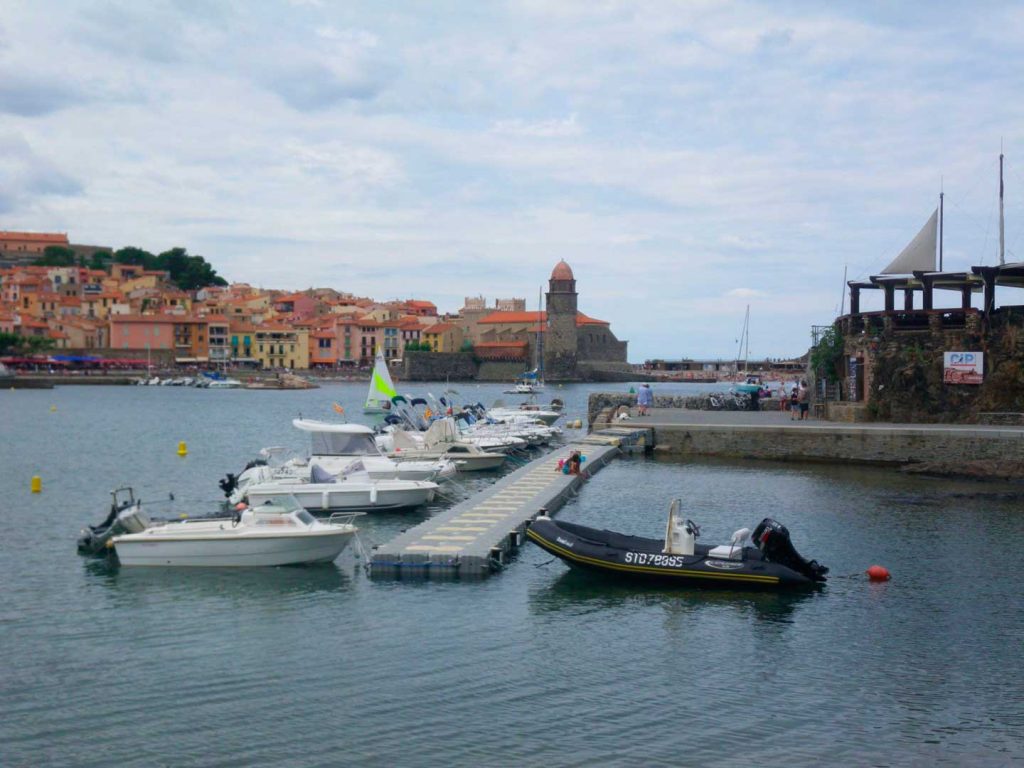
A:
(514, 317)
(440, 328)
(35, 237)
(562, 271)
(496, 318)
(582, 319)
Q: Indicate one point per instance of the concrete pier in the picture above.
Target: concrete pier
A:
(476, 537)
(771, 434)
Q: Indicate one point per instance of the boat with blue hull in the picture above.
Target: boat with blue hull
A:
(769, 563)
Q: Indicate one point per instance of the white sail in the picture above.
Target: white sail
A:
(382, 389)
(920, 254)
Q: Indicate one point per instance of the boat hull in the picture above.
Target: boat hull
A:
(331, 497)
(639, 559)
(242, 551)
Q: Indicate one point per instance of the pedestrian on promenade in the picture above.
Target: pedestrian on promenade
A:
(644, 399)
(804, 400)
(794, 402)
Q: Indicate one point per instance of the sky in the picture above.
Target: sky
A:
(687, 159)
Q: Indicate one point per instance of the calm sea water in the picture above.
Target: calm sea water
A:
(535, 666)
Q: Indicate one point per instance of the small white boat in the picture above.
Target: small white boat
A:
(320, 491)
(442, 441)
(524, 388)
(499, 412)
(336, 447)
(277, 532)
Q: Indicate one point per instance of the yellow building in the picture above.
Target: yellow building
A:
(280, 346)
(443, 337)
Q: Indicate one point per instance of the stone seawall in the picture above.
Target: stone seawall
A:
(980, 451)
(438, 366)
(808, 443)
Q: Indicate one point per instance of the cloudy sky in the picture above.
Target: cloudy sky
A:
(687, 159)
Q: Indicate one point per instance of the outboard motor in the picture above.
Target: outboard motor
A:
(228, 484)
(772, 538)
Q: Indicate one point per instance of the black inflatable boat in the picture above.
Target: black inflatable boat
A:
(771, 563)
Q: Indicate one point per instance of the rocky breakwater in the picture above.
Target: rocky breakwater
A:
(604, 407)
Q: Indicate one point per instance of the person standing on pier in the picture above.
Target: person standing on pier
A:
(644, 399)
(804, 400)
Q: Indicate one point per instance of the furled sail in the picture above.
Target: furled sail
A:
(920, 254)
(382, 389)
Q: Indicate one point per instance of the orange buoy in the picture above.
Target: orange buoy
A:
(878, 573)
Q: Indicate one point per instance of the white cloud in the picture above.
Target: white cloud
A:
(672, 153)
(540, 128)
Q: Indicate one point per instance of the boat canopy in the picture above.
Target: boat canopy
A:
(339, 439)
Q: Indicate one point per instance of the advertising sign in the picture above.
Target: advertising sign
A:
(963, 367)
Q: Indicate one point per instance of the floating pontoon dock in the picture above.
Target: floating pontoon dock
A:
(476, 536)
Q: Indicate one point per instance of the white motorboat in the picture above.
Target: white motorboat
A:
(278, 532)
(321, 491)
(527, 410)
(442, 441)
(335, 447)
(524, 389)
(227, 383)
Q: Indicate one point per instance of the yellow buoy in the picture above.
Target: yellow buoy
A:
(37, 484)
(182, 449)
(53, 408)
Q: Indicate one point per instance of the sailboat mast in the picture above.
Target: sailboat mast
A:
(538, 360)
(746, 335)
(1002, 239)
(941, 218)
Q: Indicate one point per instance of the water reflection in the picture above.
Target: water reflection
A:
(192, 583)
(578, 593)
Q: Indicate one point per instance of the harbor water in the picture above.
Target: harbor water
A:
(537, 665)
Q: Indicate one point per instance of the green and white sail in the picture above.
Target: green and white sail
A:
(382, 389)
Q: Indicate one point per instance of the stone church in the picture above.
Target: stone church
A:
(572, 345)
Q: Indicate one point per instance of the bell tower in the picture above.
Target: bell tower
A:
(561, 343)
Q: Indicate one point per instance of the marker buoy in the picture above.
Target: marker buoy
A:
(182, 449)
(37, 484)
(53, 409)
(878, 573)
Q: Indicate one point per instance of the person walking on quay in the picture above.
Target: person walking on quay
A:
(804, 400)
(644, 399)
(794, 402)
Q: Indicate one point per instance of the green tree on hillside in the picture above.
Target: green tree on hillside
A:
(56, 256)
(186, 271)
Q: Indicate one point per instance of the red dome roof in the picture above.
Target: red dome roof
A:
(562, 271)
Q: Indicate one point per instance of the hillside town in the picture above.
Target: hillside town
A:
(113, 314)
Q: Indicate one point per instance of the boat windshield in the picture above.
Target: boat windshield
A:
(343, 444)
(278, 503)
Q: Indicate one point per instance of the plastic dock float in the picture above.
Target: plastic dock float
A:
(476, 537)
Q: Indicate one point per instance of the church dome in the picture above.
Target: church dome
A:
(562, 271)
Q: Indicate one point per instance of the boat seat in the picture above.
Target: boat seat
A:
(318, 474)
(726, 552)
